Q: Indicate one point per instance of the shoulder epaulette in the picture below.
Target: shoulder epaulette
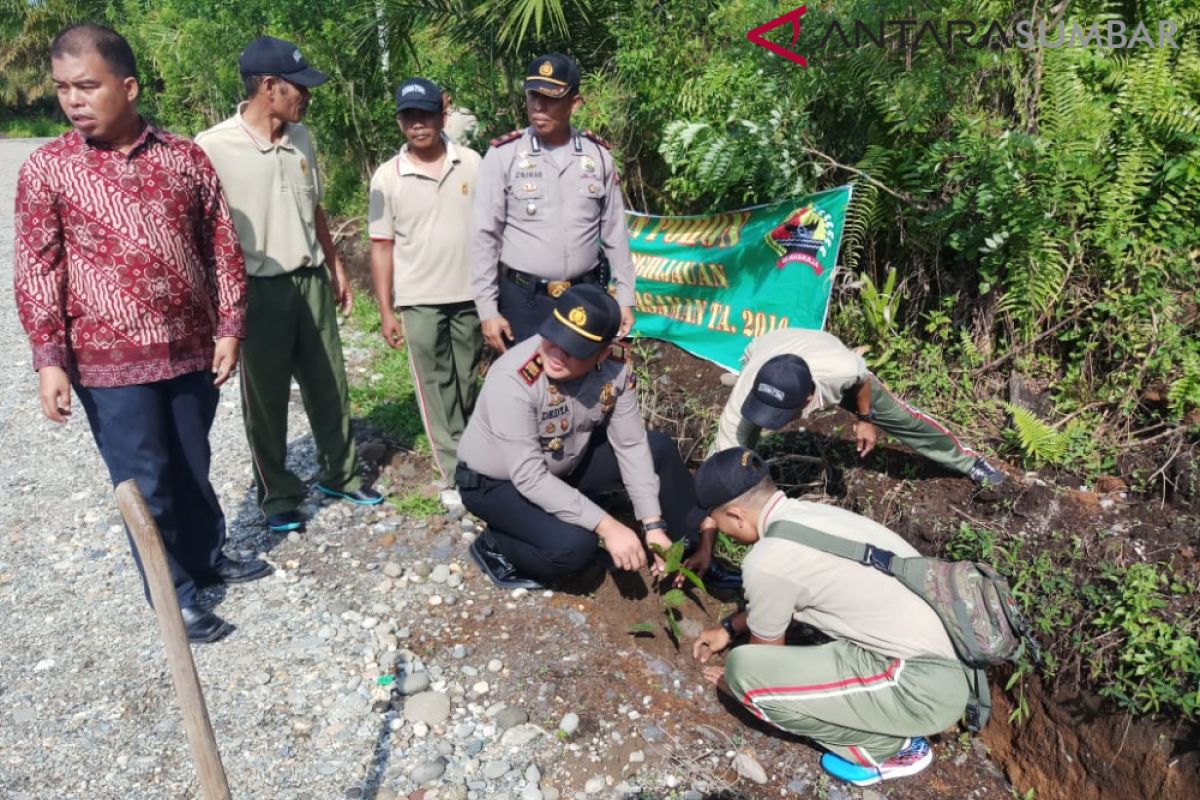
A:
(619, 353)
(597, 140)
(511, 136)
(531, 370)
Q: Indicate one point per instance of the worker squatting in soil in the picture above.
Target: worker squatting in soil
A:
(148, 267)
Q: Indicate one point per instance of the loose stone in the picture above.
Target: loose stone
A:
(428, 771)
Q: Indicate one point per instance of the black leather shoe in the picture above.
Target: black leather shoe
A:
(230, 571)
(202, 625)
(497, 567)
(286, 521)
(361, 497)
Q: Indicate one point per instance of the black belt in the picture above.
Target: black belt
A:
(551, 288)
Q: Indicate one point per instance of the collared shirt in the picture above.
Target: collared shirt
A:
(547, 215)
(427, 220)
(834, 367)
(533, 431)
(785, 580)
(274, 189)
(126, 265)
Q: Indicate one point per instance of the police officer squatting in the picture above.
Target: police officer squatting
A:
(556, 427)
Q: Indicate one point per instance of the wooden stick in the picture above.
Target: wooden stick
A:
(146, 537)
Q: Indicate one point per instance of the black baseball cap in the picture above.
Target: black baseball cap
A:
(553, 75)
(727, 475)
(418, 93)
(781, 388)
(585, 319)
(267, 55)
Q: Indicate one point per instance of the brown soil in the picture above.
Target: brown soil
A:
(1074, 748)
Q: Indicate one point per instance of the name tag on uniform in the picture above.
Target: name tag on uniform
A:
(555, 412)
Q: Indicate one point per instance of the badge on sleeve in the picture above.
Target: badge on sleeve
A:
(531, 370)
(555, 444)
(608, 397)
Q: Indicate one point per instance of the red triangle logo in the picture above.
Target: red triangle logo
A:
(756, 35)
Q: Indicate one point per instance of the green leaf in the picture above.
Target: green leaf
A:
(674, 598)
(691, 576)
(641, 627)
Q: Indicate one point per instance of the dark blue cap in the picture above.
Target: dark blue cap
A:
(584, 320)
(418, 93)
(782, 387)
(552, 75)
(267, 55)
(727, 475)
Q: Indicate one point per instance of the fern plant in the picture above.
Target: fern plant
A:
(1039, 442)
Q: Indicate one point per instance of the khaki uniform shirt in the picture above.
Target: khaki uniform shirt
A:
(547, 215)
(532, 431)
(785, 580)
(460, 123)
(427, 220)
(835, 369)
(273, 189)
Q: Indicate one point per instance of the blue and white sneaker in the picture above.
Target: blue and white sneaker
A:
(914, 757)
(362, 497)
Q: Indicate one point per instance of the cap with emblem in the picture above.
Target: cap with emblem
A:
(553, 75)
(728, 475)
(420, 94)
(782, 387)
(585, 319)
(267, 55)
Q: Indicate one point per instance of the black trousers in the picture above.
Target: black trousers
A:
(542, 546)
(525, 308)
(157, 434)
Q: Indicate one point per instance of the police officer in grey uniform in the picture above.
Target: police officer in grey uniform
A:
(557, 424)
(547, 200)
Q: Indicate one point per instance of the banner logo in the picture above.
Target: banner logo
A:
(802, 238)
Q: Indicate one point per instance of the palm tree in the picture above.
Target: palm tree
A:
(26, 29)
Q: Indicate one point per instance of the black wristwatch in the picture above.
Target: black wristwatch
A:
(727, 624)
(657, 525)
(867, 417)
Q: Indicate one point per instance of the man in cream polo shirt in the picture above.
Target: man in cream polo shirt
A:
(268, 168)
(420, 212)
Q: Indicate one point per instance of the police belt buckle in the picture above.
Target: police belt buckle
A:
(556, 288)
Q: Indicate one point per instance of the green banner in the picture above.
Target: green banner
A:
(711, 284)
